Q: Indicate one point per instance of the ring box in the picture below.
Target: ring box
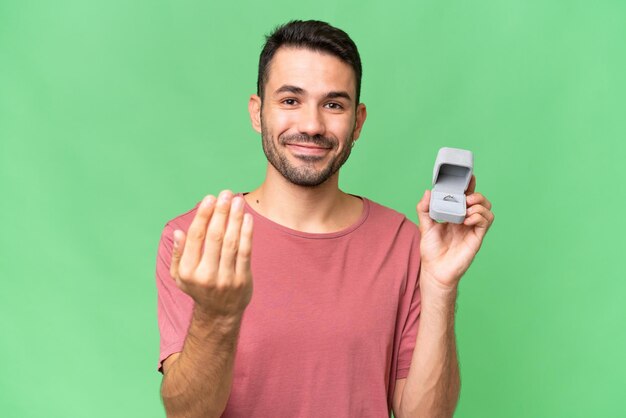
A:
(451, 177)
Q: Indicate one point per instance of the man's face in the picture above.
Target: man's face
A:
(309, 117)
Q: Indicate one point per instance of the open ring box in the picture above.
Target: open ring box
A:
(451, 176)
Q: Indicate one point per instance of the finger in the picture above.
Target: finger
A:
(471, 186)
(423, 210)
(215, 233)
(179, 246)
(486, 213)
(244, 253)
(196, 233)
(478, 215)
(478, 199)
(476, 220)
(231, 237)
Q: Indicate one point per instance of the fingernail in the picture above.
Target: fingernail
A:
(225, 196)
(237, 203)
(207, 201)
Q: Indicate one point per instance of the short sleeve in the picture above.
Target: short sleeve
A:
(411, 323)
(174, 307)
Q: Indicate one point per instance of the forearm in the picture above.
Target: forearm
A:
(198, 383)
(433, 383)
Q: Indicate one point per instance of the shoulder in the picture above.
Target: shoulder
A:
(183, 220)
(388, 219)
(385, 214)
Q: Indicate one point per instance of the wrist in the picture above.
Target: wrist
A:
(436, 294)
(217, 321)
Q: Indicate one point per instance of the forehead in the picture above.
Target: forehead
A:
(311, 70)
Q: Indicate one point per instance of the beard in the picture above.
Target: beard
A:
(305, 174)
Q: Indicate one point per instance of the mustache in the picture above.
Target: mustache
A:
(318, 140)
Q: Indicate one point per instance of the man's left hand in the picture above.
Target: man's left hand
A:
(447, 249)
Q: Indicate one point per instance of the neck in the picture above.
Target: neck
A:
(319, 209)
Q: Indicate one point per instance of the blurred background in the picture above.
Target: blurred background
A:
(117, 116)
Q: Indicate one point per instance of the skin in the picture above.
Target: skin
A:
(325, 126)
(308, 120)
(433, 384)
(211, 263)
(306, 95)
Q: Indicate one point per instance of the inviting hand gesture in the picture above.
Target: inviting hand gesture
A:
(447, 249)
(211, 263)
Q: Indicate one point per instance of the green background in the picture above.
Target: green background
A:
(117, 116)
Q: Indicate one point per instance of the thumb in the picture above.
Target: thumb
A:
(423, 209)
(179, 244)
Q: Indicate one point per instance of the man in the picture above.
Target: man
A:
(336, 324)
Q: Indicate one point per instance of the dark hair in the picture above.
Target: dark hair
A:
(314, 35)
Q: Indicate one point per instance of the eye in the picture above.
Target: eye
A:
(334, 106)
(289, 102)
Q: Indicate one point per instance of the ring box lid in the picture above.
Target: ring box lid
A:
(451, 177)
(453, 170)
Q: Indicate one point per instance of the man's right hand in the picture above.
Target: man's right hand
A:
(217, 274)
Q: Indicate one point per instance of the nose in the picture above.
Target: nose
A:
(311, 121)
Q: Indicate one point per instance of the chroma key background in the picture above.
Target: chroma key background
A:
(116, 116)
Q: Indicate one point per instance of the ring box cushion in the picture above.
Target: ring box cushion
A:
(451, 176)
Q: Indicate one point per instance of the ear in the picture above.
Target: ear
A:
(254, 108)
(361, 115)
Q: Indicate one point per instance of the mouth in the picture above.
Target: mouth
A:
(307, 148)
(306, 145)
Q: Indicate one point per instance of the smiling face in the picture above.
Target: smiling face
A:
(309, 117)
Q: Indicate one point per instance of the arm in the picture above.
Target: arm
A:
(432, 386)
(197, 381)
(215, 272)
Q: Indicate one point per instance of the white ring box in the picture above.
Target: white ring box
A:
(451, 177)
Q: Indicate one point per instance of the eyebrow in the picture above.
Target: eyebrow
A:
(337, 94)
(287, 88)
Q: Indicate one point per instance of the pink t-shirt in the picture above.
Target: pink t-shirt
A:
(332, 322)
